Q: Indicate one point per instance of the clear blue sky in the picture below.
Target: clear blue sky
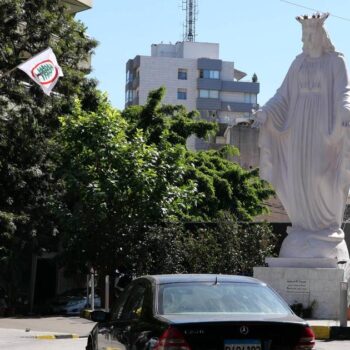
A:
(260, 36)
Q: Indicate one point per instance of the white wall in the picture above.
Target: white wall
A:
(162, 71)
(200, 50)
(163, 50)
(227, 71)
(186, 49)
(232, 96)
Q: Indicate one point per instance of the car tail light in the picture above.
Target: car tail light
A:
(307, 340)
(172, 339)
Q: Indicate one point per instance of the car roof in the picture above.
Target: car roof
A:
(184, 278)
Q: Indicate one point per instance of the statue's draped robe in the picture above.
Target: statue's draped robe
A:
(305, 151)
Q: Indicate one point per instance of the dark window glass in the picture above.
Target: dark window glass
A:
(181, 94)
(225, 298)
(209, 74)
(133, 306)
(208, 93)
(119, 306)
(182, 74)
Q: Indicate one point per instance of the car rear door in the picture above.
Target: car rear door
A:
(133, 326)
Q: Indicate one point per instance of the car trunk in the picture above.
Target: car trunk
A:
(273, 334)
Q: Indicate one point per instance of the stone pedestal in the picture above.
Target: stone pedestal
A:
(302, 262)
(306, 285)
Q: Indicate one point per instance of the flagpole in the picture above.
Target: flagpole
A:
(14, 68)
(9, 71)
(29, 58)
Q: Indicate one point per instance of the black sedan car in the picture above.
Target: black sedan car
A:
(198, 312)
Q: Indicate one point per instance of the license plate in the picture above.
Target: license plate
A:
(242, 344)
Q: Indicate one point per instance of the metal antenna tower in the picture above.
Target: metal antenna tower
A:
(190, 6)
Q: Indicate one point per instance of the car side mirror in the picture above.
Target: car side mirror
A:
(100, 316)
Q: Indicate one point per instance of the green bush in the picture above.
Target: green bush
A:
(220, 247)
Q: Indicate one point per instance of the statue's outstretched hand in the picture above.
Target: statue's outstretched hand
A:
(259, 118)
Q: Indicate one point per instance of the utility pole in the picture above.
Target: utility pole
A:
(190, 7)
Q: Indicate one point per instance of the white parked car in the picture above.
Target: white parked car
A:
(72, 302)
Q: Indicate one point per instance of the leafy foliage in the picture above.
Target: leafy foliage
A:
(223, 246)
(29, 192)
(222, 186)
(113, 180)
(128, 173)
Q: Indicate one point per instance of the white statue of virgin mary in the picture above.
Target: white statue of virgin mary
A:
(305, 146)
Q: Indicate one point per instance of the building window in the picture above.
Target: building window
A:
(208, 93)
(129, 96)
(204, 93)
(247, 98)
(209, 74)
(181, 94)
(129, 76)
(182, 74)
(250, 98)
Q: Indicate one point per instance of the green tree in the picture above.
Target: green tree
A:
(28, 120)
(222, 186)
(222, 246)
(128, 172)
(113, 181)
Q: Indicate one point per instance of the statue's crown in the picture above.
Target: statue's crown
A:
(315, 19)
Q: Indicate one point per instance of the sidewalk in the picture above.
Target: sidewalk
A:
(329, 329)
(74, 326)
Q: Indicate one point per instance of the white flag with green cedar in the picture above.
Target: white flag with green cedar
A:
(43, 69)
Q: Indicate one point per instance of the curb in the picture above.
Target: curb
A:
(59, 336)
(321, 332)
(340, 333)
(331, 332)
(85, 313)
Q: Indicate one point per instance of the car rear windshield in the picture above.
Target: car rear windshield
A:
(223, 298)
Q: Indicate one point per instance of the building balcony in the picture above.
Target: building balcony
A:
(215, 104)
(134, 102)
(238, 107)
(208, 63)
(238, 86)
(209, 84)
(225, 119)
(212, 104)
(228, 86)
(133, 84)
(85, 64)
(75, 6)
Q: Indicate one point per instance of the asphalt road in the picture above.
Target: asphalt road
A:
(333, 345)
(20, 334)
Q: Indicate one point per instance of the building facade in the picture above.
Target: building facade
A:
(197, 78)
(75, 6)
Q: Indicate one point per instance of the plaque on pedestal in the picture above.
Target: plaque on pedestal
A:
(319, 287)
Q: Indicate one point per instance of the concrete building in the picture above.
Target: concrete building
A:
(196, 77)
(75, 6)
